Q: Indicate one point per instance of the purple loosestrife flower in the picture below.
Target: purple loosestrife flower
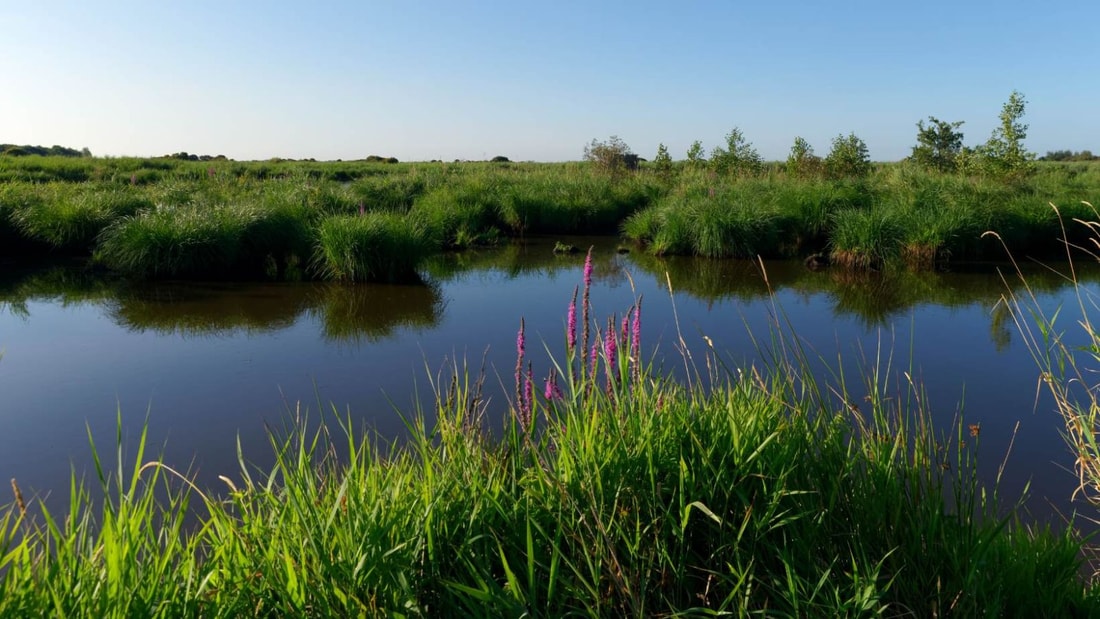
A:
(362, 209)
(133, 179)
(528, 397)
(610, 350)
(571, 324)
(520, 344)
(588, 269)
(636, 341)
(623, 330)
(552, 391)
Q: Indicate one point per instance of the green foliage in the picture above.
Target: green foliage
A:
(612, 157)
(69, 219)
(377, 247)
(460, 214)
(696, 156)
(480, 203)
(938, 145)
(848, 158)
(13, 150)
(866, 239)
(662, 162)
(1069, 155)
(738, 157)
(802, 162)
(1004, 154)
(183, 241)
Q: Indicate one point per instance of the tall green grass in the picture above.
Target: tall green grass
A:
(68, 205)
(70, 219)
(620, 491)
(184, 241)
(374, 246)
(1067, 355)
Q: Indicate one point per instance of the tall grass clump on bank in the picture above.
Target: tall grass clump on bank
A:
(865, 239)
(373, 246)
(612, 490)
(187, 241)
(70, 218)
(735, 221)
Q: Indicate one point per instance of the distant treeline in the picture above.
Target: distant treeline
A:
(1069, 155)
(17, 150)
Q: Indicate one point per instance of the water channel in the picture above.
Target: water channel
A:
(207, 364)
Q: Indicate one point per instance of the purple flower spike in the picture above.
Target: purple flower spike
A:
(362, 209)
(552, 391)
(592, 358)
(611, 350)
(588, 270)
(520, 342)
(571, 323)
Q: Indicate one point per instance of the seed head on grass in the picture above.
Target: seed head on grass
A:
(19, 502)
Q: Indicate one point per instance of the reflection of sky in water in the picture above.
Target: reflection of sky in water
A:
(65, 366)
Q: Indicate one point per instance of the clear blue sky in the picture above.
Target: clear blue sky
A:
(470, 80)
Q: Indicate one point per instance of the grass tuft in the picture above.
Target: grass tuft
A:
(375, 246)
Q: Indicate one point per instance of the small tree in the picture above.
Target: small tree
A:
(611, 156)
(695, 156)
(1004, 153)
(848, 158)
(738, 157)
(802, 161)
(938, 145)
(663, 161)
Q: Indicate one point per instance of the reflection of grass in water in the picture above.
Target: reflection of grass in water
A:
(66, 284)
(535, 257)
(361, 312)
(345, 312)
(370, 312)
(211, 310)
(356, 313)
(872, 297)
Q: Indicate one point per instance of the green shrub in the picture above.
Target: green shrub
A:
(848, 158)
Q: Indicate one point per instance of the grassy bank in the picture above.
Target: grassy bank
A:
(612, 490)
(168, 218)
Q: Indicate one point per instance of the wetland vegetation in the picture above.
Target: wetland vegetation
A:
(613, 485)
(612, 489)
(370, 220)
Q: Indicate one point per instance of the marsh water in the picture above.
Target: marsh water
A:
(205, 365)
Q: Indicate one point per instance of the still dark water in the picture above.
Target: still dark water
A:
(205, 363)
